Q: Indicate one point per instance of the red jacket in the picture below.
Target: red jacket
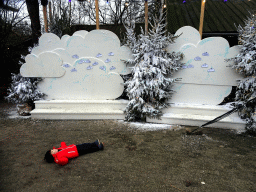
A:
(67, 152)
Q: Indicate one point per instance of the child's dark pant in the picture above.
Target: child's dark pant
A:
(87, 148)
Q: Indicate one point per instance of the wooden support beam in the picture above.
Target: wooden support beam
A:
(202, 18)
(97, 14)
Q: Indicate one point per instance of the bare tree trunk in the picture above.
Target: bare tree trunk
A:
(33, 10)
(50, 12)
(45, 19)
(146, 17)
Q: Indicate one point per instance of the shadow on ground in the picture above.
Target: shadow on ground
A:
(133, 160)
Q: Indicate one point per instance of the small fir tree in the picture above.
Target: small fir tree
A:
(245, 64)
(24, 89)
(151, 84)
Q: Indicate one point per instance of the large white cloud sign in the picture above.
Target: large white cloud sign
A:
(206, 79)
(89, 65)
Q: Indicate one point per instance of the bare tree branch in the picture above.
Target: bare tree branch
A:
(115, 10)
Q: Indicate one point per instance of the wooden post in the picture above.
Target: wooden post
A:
(97, 14)
(146, 17)
(202, 19)
(45, 19)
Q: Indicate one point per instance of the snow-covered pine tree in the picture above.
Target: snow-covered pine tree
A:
(24, 89)
(245, 64)
(151, 84)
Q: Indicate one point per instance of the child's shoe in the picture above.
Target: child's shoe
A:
(101, 146)
(97, 142)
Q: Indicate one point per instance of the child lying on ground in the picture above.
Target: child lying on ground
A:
(62, 154)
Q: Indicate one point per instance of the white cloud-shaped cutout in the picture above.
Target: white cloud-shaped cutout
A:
(91, 61)
(210, 52)
(87, 78)
(47, 64)
(99, 42)
(206, 79)
(87, 44)
(49, 42)
(81, 33)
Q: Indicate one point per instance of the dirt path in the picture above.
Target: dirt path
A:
(133, 160)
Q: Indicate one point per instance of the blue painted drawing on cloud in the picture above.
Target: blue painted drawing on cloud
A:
(211, 70)
(99, 55)
(107, 60)
(204, 66)
(84, 61)
(112, 68)
(103, 68)
(205, 54)
(75, 56)
(111, 54)
(66, 65)
(87, 61)
(89, 67)
(197, 58)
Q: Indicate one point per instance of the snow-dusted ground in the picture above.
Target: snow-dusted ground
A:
(11, 111)
(150, 126)
(12, 114)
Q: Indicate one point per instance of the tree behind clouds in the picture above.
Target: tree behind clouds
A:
(115, 11)
(14, 39)
(33, 10)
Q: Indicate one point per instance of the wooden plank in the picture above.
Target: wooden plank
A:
(253, 3)
(173, 24)
(196, 10)
(225, 9)
(186, 15)
(210, 19)
(192, 15)
(180, 14)
(216, 17)
(232, 10)
(195, 13)
(221, 14)
(244, 7)
(241, 8)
